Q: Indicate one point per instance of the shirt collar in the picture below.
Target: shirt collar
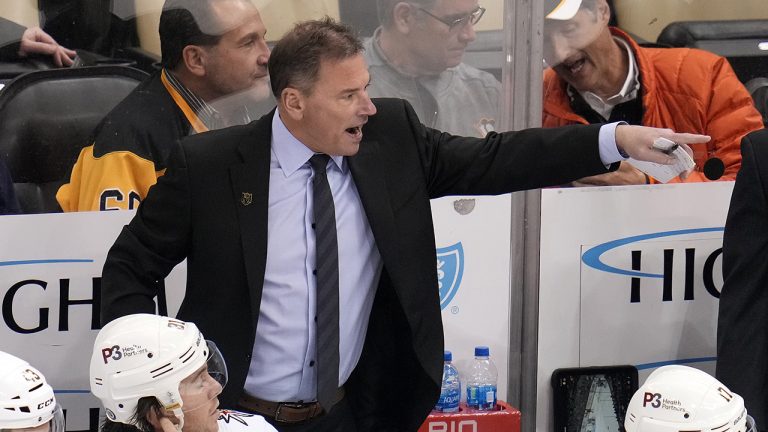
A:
(628, 90)
(209, 116)
(291, 153)
(377, 57)
(384, 59)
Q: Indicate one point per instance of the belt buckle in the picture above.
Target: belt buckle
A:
(297, 406)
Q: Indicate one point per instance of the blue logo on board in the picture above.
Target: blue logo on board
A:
(44, 261)
(450, 269)
(593, 256)
(628, 254)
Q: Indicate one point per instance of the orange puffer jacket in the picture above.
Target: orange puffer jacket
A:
(687, 90)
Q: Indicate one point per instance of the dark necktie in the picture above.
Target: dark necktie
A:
(327, 278)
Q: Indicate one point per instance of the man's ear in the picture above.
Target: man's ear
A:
(603, 12)
(194, 59)
(292, 103)
(404, 17)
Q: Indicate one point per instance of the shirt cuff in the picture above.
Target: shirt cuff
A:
(609, 151)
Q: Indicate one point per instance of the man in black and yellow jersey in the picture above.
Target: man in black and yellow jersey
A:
(211, 49)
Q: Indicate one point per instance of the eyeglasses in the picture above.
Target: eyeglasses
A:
(453, 24)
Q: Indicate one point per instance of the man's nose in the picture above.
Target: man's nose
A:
(368, 107)
(263, 58)
(467, 33)
(216, 387)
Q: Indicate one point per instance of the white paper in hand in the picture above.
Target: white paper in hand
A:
(665, 173)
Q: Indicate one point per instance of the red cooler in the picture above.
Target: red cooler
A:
(504, 419)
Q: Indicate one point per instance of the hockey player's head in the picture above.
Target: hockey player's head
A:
(153, 372)
(27, 402)
(680, 398)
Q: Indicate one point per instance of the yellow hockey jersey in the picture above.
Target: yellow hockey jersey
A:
(130, 148)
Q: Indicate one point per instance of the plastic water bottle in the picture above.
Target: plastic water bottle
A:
(481, 381)
(450, 390)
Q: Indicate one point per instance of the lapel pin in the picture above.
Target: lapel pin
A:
(246, 199)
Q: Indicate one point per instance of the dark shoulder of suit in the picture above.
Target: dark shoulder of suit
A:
(10, 35)
(147, 123)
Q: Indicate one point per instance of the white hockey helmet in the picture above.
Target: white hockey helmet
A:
(143, 355)
(26, 399)
(681, 398)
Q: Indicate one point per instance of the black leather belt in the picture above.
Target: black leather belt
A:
(286, 412)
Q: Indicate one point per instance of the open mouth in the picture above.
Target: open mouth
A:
(355, 132)
(575, 67)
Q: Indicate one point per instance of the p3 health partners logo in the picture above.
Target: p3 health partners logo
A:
(658, 400)
(450, 269)
(660, 250)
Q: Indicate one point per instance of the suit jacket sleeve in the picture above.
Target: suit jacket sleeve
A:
(742, 339)
(506, 162)
(10, 35)
(150, 247)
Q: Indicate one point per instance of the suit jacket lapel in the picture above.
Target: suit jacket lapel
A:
(369, 174)
(250, 190)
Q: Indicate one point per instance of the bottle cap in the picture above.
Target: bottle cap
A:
(447, 356)
(482, 351)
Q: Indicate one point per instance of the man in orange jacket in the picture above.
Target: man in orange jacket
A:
(599, 74)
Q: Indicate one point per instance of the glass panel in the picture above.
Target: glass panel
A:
(443, 56)
(621, 60)
(647, 18)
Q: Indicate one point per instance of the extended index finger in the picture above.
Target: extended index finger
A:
(689, 138)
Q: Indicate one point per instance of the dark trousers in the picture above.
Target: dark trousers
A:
(340, 419)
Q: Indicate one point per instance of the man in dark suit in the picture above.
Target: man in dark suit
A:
(240, 205)
(742, 339)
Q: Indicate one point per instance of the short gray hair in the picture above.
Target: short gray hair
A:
(386, 8)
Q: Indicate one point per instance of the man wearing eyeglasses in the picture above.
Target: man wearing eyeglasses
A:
(416, 55)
